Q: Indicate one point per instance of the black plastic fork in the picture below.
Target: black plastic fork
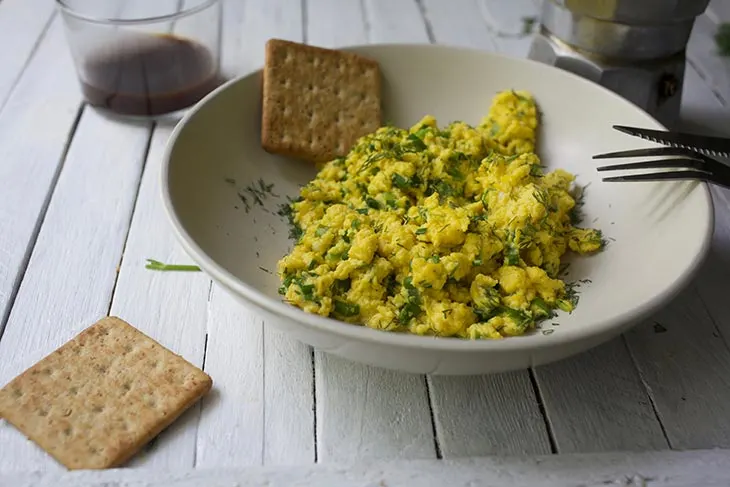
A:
(691, 165)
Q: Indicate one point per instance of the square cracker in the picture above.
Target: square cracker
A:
(317, 102)
(95, 401)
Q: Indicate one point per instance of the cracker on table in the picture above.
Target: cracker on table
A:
(95, 401)
(317, 102)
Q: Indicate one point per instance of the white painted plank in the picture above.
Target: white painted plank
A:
(655, 469)
(596, 402)
(22, 26)
(232, 431)
(264, 409)
(701, 110)
(72, 270)
(488, 415)
(703, 54)
(462, 26)
(247, 25)
(684, 363)
(719, 10)
(336, 23)
(289, 401)
(170, 307)
(368, 413)
(364, 412)
(394, 21)
(508, 21)
(491, 414)
(34, 128)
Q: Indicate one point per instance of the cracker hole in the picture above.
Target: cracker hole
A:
(127, 349)
(67, 412)
(93, 450)
(17, 393)
(73, 390)
(151, 401)
(97, 409)
(68, 431)
(43, 412)
(102, 369)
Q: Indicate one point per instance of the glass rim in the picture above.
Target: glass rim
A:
(67, 9)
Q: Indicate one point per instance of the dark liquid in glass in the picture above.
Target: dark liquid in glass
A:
(149, 75)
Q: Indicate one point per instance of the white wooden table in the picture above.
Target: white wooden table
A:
(80, 212)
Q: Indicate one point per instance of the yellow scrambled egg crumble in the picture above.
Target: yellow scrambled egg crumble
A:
(452, 232)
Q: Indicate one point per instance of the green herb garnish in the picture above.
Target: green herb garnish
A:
(345, 309)
(156, 265)
(412, 308)
(372, 203)
(416, 142)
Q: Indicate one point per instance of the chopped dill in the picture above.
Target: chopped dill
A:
(156, 265)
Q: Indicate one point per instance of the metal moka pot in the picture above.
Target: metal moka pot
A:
(635, 48)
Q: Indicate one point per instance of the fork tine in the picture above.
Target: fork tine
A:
(660, 164)
(661, 176)
(653, 151)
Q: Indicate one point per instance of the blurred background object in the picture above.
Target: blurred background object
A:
(635, 48)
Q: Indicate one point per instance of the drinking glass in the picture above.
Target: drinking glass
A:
(142, 58)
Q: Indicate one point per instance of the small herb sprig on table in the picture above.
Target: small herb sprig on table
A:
(156, 265)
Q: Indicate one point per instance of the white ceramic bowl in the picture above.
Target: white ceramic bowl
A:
(658, 232)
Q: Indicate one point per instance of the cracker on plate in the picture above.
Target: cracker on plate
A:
(96, 400)
(317, 102)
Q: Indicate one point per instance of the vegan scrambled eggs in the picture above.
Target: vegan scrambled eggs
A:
(452, 232)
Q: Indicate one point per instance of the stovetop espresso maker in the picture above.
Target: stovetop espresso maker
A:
(635, 48)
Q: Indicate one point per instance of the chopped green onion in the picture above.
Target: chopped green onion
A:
(156, 265)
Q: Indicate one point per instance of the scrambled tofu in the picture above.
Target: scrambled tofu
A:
(450, 232)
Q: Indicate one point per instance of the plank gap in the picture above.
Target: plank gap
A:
(200, 406)
(263, 392)
(365, 20)
(314, 404)
(145, 155)
(543, 412)
(429, 398)
(649, 393)
(39, 222)
(714, 322)
(702, 75)
(305, 37)
(427, 24)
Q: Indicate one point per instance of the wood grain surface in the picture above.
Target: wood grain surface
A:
(81, 211)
